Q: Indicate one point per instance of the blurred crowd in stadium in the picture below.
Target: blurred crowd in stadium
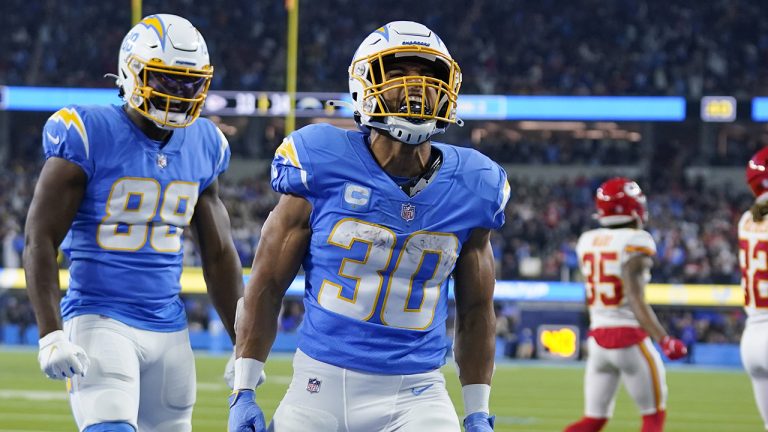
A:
(667, 47)
(694, 225)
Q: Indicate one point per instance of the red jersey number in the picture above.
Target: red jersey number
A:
(597, 275)
(760, 274)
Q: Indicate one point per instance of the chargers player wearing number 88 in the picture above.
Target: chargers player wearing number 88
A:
(119, 187)
(380, 218)
(753, 260)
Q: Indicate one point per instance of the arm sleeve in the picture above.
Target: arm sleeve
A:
(292, 168)
(65, 137)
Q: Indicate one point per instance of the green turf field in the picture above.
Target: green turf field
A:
(526, 397)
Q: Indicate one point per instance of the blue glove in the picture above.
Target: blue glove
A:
(479, 422)
(244, 414)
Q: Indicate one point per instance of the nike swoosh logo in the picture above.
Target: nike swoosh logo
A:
(419, 390)
(53, 139)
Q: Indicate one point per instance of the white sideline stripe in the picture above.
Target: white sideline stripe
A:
(22, 430)
(42, 395)
(33, 395)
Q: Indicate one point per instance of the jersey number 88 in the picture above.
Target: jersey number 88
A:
(132, 207)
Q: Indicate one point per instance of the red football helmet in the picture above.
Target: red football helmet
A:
(620, 200)
(757, 174)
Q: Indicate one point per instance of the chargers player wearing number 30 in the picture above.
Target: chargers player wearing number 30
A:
(753, 259)
(126, 181)
(616, 261)
(379, 218)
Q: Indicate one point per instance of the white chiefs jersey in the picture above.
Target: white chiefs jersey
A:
(602, 253)
(753, 260)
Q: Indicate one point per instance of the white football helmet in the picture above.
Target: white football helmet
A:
(164, 70)
(415, 121)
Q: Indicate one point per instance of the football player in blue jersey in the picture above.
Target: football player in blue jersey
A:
(380, 219)
(119, 187)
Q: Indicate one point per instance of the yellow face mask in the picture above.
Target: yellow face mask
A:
(438, 94)
(170, 96)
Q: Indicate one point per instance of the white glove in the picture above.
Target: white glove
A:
(229, 373)
(59, 358)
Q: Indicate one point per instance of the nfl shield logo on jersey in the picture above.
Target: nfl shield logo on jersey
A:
(162, 160)
(313, 385)
(408, 212)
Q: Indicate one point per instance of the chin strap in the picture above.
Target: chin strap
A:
(340, 103)
(120, 90)
(111, 75)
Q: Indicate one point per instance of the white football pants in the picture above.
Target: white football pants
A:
(140, 377)
(326, 398)
(638, 366)
(754, 356)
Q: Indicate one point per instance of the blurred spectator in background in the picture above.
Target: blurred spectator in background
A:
(526, 345)
(505, 330)
(292, 316)
(13, 244)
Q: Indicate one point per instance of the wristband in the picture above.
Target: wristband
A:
(476, 398)
(247, 373)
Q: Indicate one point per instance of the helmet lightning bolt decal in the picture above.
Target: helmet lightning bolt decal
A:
(384, 31)
(154, 22)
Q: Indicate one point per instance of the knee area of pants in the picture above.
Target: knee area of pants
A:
(110, 427)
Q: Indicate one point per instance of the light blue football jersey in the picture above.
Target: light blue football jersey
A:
(125, 243)
(376, 295)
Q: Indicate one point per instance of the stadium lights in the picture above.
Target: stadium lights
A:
(760, 109)
(720, 109)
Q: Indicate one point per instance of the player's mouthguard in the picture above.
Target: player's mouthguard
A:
(415, 108)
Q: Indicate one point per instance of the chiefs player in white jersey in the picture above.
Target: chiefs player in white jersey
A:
(616, 260)
(753, 258)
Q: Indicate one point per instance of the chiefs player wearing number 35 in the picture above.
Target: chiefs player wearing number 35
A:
(753, 259)
(616, 260)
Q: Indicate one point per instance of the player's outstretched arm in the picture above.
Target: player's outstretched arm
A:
(58, 194)
(634, 277)
(284, 240)
(475, 328)
(222, 270)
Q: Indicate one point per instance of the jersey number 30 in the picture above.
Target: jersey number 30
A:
(133, 204)
(409, 276)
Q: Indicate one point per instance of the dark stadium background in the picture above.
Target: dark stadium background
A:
(692, 170)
